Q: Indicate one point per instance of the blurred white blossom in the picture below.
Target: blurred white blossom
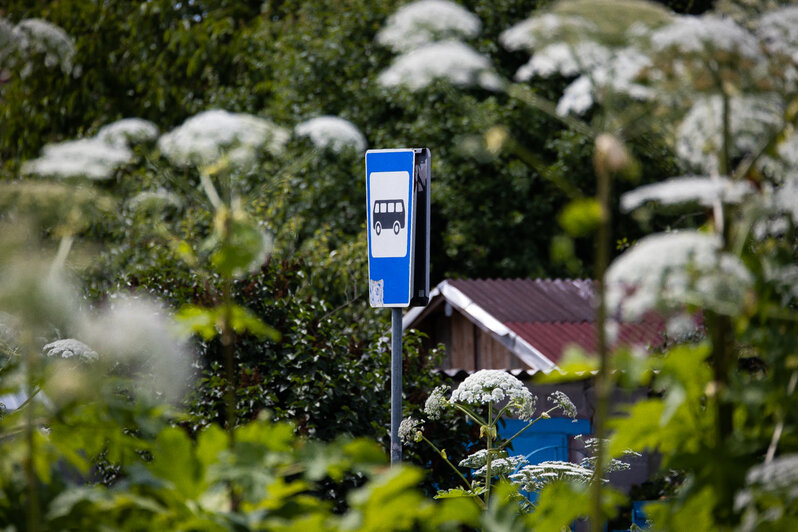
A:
(776, 480)
(785, 280)
(423, 22)
(703, 190)
(699, 137)
(141, 336)
(39, 36)
(564, 59)
(784, 198)
(332, 132)
(617, 74)
(9, 325)
(34, 295)
(778, 32)
(783, 165)
(154, 199)
(669, 270)
(204, 137)
(531, 33)
(128, 131)
(450, 60)
(704, 35)
(90, 157)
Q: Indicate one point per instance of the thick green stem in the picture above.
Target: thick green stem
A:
(470, 414)
(603, 383)
(31, 367)
(489, 430)
(720, 332)
(446, 459)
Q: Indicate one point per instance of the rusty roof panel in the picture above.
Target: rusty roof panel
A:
(551, 338)
(531, 300)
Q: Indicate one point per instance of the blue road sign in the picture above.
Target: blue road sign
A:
(390, 217)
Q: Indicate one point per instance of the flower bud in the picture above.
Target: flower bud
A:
(610, 155)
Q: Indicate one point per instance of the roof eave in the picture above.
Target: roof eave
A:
(485, 321)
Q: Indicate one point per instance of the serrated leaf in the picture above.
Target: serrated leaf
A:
(455, 493)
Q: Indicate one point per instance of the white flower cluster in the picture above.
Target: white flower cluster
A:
(425, 21)
(564, 59)
(332, 132)
(427, 33)
(204, 137)
(90, 158)
(535, 477)
(778, 32)
(493, 386)
(703, 190)
(39, 36)
(93, 157)
(564, 402)
(785, 198)
(478, 459)
(785, 281)
(700, 135)
(589, 462)
(784, 165)
(128, 131)
(564, 44)
(669, 270)
(154, 199)
(450, 60)
(501, 466)
(617, 74)
(410, 430)
(775, 480)
(143, 337)
(69, 348)
(436, 402)
(706, 34)
(530, 33)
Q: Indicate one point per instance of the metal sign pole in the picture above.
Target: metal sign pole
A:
(397, 221)
(396, 384)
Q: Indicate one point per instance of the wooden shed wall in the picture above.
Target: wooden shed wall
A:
(471, 348)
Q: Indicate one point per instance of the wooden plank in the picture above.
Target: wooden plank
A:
(462, 341)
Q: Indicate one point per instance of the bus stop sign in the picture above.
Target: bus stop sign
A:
(397, 218)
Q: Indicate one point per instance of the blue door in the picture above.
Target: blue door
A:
(545, 440)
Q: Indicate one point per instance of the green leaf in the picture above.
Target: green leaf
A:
(581, 217)
(199, 320)
(208, 322)
(242, 320)
(211, 441)
(455, 493)
(173, 460)
(576, 365)
(245, 249)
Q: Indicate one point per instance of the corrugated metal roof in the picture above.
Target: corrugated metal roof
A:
(541, 316)
(528, 300)
(552, 338)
